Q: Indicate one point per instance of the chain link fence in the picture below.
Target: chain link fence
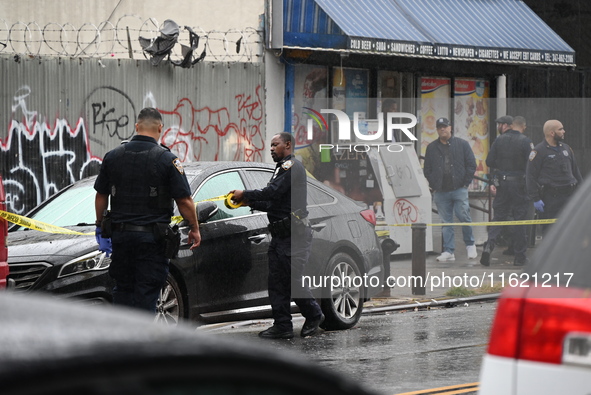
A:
(121, 40)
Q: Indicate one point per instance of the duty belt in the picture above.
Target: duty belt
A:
(512, 178)
(126, 227)
(281, 228)
(562, 189)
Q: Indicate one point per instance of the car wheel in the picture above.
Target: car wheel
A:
(345, 304)
(170, 307)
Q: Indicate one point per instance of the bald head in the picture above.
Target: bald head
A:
(553, 131)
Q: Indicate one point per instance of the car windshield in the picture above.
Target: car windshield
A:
(71, 207)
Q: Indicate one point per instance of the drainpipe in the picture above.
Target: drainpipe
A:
(501, 96)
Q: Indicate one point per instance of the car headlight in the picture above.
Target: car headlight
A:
(94, 261)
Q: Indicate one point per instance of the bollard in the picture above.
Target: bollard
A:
(419, 264)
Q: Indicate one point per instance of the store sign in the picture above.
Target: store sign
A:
(459, 52)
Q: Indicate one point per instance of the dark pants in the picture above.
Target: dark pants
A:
(287, 258)
(511, 202)
(554, 200)
(139, 268)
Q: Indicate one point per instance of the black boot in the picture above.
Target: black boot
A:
(520, 261)
(486, 251)
(276, 333)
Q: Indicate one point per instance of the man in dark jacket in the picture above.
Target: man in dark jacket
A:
(141, 179)
(508, 156)
(552, 172)
(449, 168)
(284, 200)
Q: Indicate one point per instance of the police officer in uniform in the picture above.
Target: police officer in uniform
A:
(284, 200)
(141, 179)
(508, 156)
(552, 172)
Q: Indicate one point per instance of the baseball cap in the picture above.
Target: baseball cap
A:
(508, 119)
(442, 122)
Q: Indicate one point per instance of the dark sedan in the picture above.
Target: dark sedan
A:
(226, 276)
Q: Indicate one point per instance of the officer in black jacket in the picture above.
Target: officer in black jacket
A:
(508, 156)
(552, 172)
(284, 200)
(141, 179)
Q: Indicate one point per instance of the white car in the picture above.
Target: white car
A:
(540, 341)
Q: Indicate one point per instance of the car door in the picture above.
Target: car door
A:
(229, 268)
(319, 217)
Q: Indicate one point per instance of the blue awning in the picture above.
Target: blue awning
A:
(501, 31)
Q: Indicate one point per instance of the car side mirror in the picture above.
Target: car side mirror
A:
(206, 210)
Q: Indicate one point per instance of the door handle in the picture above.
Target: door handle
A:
(257, 238)
(318, 227)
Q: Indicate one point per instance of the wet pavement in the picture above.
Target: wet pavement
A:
(391, 352)
(460, 278)
(408, 341)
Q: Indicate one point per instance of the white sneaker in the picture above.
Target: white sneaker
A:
(446, 257)
(472, 253)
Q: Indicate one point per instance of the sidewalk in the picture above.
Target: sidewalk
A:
(467, 277)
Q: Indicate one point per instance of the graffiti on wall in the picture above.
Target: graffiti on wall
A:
(39, 159)
(207, 133)
(111, 115)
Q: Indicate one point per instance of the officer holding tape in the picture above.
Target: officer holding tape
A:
(552, 172)
(508, 156)
(141, 179)
(284, 200)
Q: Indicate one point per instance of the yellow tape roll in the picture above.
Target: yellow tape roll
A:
(229, 203)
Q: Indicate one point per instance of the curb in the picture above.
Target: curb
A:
(442, 302)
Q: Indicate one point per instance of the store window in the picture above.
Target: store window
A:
(396, 93)
(471, 120)
(466, 106)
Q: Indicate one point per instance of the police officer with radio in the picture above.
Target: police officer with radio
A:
(552, 172)
(284, 200)
(142, 179)
(508, 156)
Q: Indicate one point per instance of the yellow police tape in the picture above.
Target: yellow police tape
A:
(38, 225)
(45, 227)
(48, 228)
(227, 202)
(492, 223)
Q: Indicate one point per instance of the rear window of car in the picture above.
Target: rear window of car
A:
(259, 178)
(318, 196)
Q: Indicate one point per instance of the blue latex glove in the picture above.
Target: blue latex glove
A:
(103, 242)
(539, 205)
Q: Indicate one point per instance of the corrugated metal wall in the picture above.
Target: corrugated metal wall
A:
(60, 116)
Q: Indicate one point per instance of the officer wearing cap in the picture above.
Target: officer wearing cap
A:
(552, 172)
(504, 123)
(284, 200)
(142, 179)
(449, 167)
(508, 156)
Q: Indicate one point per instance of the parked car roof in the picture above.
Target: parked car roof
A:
(52, 346)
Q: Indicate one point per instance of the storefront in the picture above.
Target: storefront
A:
(429, 58)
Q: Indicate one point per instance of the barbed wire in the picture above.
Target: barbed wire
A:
(121, 40)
